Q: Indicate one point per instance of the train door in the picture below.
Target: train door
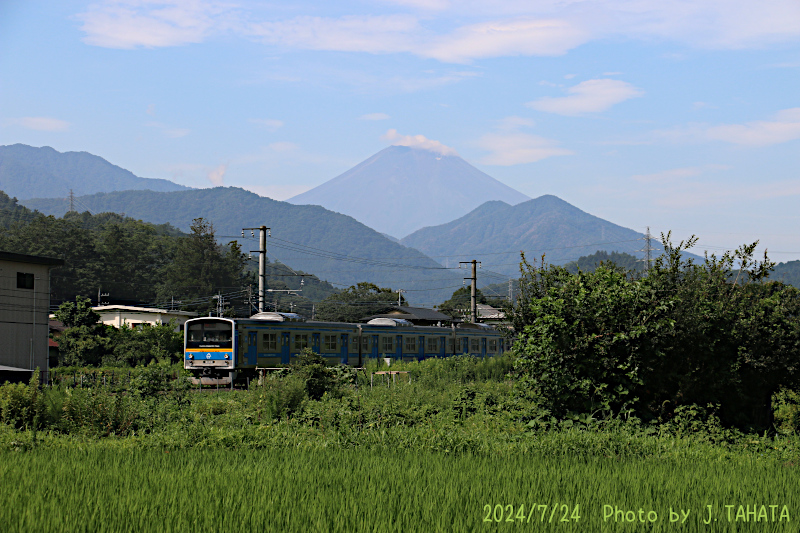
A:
(286, 352)
(373, 349)
(483, 347)
(442, 346)
(465, 345)
(315, 342)
(343, 353)
(398, 349)
(421, 349)
(252, 348)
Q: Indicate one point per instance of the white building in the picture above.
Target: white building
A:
(117, 315)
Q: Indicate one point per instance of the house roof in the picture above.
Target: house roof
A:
(487, 311)
(35, 259)
(133, 309)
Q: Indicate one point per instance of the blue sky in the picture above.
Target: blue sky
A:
(681, 115)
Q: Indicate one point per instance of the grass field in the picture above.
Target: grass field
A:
(454, 450)
(340, 490)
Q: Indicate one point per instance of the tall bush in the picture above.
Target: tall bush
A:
(680, 334)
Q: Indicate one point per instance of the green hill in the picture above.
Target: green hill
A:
(333, 246)
(496, 232)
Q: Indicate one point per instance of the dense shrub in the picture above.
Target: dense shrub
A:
(681, 334)
(23, 406)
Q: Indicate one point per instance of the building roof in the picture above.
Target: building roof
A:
(35, 259)
(134, 309)
(489, 312)
(414, 313)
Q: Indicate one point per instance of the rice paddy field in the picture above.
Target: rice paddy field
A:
(351, 490)
(452, 449)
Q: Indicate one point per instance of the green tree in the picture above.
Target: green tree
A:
(145, 343)
(357, 302)
(85, 341)
(682, 334)
(201, 267)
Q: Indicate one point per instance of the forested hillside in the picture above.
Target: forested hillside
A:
(495, 232)
(333, 246)
(138, 262)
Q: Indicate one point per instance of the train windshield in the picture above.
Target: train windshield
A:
(209, 334)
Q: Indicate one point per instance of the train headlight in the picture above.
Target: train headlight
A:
(190, 356)
(227, 356)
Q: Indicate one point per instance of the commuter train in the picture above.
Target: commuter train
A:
(220, 350)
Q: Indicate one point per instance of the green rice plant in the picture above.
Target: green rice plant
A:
(351, 491)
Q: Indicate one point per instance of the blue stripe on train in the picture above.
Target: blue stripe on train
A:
(209, 356)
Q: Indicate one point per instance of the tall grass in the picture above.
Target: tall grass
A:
(349, 491)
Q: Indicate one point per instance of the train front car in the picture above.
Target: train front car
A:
(209, 350)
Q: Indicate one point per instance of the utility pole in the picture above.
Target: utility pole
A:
(399, 293)
(648, 248)
(262, 262)
(510, 292)
(474, 289)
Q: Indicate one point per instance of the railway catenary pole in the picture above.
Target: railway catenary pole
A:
(473, 300)
(262, 262)
(262, 267)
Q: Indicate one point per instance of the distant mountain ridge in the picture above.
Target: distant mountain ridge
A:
(402, 189)
(30, 172)
(496, 232)
(335, 247)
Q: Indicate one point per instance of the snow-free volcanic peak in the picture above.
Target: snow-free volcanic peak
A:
(402, 189)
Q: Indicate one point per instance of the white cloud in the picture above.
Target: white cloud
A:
(488, 29)
(41, 123)
(417, 141)
(268, 123)
(523, 36)
(131, 24)
(151, 110)
(283, 146)
(374, 116)
(678, 174)
(515, 148)
(374, 34)
(591, 96)
(513, 123)
(783, 128)
(277, 192)
(217, 175)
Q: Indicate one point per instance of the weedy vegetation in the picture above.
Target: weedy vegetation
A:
(628, 400)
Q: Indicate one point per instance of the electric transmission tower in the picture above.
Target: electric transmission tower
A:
(648, 248)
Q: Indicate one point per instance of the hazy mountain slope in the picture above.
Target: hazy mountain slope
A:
(546, 225)
(29, 172)
(312, 231)
(401, 189)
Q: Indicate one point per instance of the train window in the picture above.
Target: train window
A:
(330, 343)
(210, 334)
(300, 341)
(411, 344)
(432, 345)
(492, 348)
(474, 346)
(451, 345)
(365, 344)
(269, 342)
(387, 344)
